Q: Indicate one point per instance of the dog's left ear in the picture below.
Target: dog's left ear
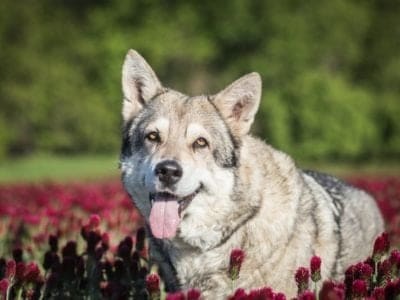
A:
(238, 103)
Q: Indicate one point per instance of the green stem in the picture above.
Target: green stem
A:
(19, 293)
(375, 277)
(315, 290)
(233, 285)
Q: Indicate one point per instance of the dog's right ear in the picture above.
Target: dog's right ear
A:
(139, 84)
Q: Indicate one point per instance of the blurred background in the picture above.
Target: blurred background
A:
(330, 69)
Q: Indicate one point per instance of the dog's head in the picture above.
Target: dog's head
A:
(180, 153)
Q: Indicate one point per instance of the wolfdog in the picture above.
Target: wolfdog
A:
(205, 186)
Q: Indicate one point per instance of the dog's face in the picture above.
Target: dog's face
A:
(180, 153)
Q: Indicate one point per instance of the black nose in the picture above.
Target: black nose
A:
(168, 172)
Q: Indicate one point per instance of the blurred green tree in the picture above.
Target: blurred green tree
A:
(330, 69)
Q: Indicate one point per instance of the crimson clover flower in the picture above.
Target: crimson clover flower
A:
(315, 267)
(279, 296)
(395, 260)
(4, 285)
(261, 294)
(105, 241)
(384, 270)
(20, 271)
(302, 277)
(240, 294)
(176, 296)
(31, 273)
(362, 271)
(193, 294)
(235, 263)
(94, 221)
(381, 246)
(332, 291)
(392, 289)
(306, 295)
(378, 293)
(359, 288)
(11, 268)
(153, 286)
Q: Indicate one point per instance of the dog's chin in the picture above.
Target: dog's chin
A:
(167, 210)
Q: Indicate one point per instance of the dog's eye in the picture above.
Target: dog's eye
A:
(153, 136)
(200, 143)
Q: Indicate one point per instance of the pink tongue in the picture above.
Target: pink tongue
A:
(164, 219)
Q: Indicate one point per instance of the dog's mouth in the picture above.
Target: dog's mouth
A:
(166, 212)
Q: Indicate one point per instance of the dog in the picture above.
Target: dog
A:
(205, 186)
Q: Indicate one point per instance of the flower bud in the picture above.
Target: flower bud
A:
(315, 267)
(193, 294)
(381, 246)
(359, 288)
(235, 263)
(302, 277)
(11, 267)
(153, 286)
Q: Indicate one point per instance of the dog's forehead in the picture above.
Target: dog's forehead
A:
(180, 108)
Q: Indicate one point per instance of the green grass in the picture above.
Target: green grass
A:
(59, 168)
(94, 167)
(346, 170)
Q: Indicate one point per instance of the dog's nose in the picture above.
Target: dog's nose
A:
(168, 172)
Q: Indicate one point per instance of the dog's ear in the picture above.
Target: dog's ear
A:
(238, 103)
(139, 84)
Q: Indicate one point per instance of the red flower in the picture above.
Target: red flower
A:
(279, 296)
(11, 267)
(392, 289)
(302, 277)
(94, 221)
(32, 272)
(235, 263)
(359, 288)
(381, 246)
(315, 267)
(20, 271)
(362, 271)
(4, 284)
(306, 295)
(240, 294)
(153, 286)
(331, 291)
(261, 294)
(176, 296)
(193, 294)
(395, 258)
(378, 293)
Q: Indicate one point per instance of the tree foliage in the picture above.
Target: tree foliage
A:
(331, 69)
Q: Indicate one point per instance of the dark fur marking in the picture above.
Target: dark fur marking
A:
(126, 147)
(139, 85)
(233, 160)
(228, 162)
